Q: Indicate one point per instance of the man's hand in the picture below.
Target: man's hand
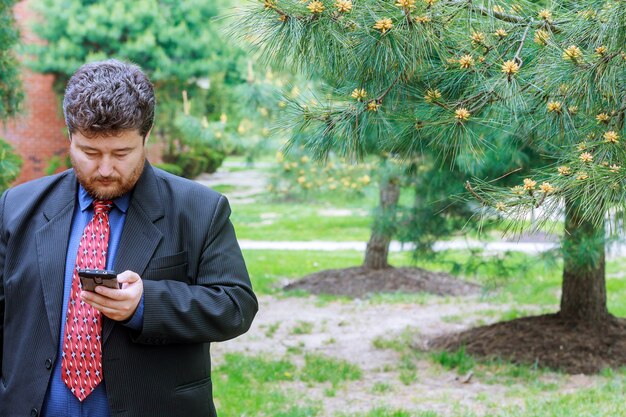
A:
(117, 304)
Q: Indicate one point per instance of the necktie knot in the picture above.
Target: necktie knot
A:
(102, 206)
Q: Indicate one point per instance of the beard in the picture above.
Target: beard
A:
(114, 186)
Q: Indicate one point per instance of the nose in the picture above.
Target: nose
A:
(105, 168)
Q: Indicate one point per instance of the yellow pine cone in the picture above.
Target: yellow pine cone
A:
(432, 95)
(343, 6)
(586, 157)
(529, 184)
(477, 37)
(316, 7)
(546, 15)
(501, 33)
(611, 137)
(541, 36)
(462, 114)
(383, 25)
(547, 188)
(466, 61)
(564, 170)
(406, 4)
(603, 118)
(510, 67)
(518, 190)
(373, 106)
(359, 94)
(555, 107)
(572, 53)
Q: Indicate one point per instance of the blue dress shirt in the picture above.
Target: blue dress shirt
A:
(59, 400)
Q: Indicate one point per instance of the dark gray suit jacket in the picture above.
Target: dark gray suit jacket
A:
(179, 239)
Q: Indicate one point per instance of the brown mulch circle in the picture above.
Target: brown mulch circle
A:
(547, 341)
(358, 282)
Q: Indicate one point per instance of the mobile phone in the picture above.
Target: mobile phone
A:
(91, 278)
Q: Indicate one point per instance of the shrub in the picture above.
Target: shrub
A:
(171, 168)
(10, 165)
(297, 175)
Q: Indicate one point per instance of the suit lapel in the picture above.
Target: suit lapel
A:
(52, 240)
(140, 236)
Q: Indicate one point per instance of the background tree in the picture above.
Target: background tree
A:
(462, 79)
(10, 90)
(10, 165)
(10, 84)
(178, 43)
(371, 72)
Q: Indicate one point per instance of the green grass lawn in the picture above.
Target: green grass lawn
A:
(300, 222)
(253, 384)
(513, 278)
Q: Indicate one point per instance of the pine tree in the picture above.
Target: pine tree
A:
(10, 85)
(460, 78)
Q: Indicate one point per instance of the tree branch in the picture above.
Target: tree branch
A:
(381, 97)
(517, 57)
(469, 188)
(621, 114)
(505, 17)
(543, 198)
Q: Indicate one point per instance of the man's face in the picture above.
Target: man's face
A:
(108, 166)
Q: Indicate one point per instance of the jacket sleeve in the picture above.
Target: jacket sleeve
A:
(219, 306)
(2, 257)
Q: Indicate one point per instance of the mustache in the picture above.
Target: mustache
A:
(109, 178)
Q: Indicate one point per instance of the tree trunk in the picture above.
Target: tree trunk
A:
(584, 287)
(377, 251)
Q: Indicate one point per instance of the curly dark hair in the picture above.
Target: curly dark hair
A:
(107, 97)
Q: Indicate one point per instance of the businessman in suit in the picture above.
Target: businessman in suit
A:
(142, 349)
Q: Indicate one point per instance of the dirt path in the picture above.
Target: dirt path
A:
(347, 330)
(248, 183)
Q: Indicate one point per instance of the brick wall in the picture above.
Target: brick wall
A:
(38, 133)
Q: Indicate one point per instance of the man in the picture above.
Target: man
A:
(142, 349)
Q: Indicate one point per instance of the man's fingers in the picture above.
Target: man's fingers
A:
(109, 308)
(111, 293)
(128, 277)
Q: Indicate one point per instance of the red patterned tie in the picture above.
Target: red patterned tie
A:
(81, 365)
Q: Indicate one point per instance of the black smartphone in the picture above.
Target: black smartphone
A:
(91, 278)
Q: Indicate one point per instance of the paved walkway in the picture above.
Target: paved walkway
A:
(613, 251)
(526, 247)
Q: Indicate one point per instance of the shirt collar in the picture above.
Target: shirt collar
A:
(85, 200)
